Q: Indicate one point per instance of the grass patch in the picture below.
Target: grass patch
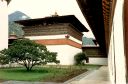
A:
(49, 74)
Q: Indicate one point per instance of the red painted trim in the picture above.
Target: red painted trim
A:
(59, 42)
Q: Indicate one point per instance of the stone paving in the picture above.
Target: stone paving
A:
(99, 76)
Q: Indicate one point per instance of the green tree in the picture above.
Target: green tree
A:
(27, 53)
(16, 29)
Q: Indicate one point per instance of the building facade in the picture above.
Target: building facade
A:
(61, 34)
(108, 21)
(95, 55)
(91, 48)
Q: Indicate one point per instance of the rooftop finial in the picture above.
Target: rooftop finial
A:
(55, 14)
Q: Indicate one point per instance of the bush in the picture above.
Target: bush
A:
(80, 57)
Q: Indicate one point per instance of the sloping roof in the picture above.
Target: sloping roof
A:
(87, 41)
(92, 10)
(99, 14)
(57, 19)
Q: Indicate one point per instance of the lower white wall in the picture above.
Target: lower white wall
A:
(116, 56)
(111, 60)
(65, 53)
(98, 61)
(61, 36)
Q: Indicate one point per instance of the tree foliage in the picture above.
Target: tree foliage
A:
(16, 29)
(27, 53)
(79, 58)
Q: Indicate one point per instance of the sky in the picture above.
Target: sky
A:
(44, 8)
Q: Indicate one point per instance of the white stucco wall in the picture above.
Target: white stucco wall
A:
(116, 56)
(62, 36)
(65, 53)
(111, 59)
(98, 61)
(3, 25)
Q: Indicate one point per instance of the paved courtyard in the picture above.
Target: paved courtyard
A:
(99, 76)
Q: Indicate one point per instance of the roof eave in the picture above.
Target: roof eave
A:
(68, 18)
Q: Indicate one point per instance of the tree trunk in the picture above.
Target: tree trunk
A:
(29, 68)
